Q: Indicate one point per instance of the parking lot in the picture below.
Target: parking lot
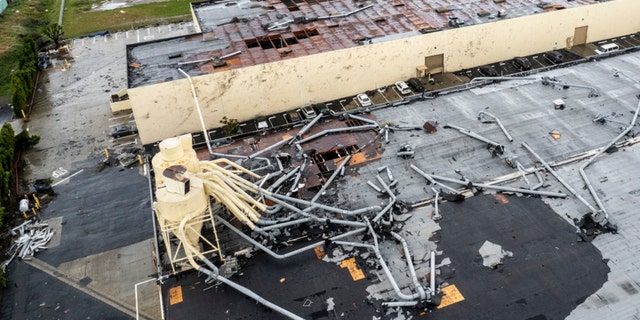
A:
(101, 215)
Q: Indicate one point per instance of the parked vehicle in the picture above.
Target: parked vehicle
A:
(522, 63)
(416, 84)
(364, 100)
(488, 71)
(123, 130)
(554, 57)
(293, 116)
(308, 112)
(42, 186)
(606, 48)
(403, 87)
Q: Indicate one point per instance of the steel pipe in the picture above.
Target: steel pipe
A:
(412, 271)
(337, 130)
(476, 136)
(594, 195)
(557, 176)
(330, 180)
(432, 180)
(487, 114)
(502, 188)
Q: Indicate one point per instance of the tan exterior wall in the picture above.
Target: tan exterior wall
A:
(167, 109)
(120, 105)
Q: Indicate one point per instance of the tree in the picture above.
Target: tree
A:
(25, 141)
(230, 126)
(54, 32)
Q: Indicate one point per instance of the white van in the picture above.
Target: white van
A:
(606, 48)
(403, 87)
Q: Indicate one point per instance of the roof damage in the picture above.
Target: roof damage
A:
(359, 192)
(238, 34)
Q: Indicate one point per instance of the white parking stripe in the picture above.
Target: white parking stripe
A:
(67, 178)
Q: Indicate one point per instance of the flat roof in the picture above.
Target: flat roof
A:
(281, 29)
(546, 271)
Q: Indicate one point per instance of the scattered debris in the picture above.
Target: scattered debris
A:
(554, 134)
(406, 151)
(430, 126)
(32, 238)
(589, 228)
(492, 254)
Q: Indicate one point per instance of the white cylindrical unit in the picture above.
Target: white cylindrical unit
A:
(172, 208)
(175, 151)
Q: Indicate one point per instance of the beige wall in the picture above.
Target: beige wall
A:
(167, 109)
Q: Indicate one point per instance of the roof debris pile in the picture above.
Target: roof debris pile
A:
(301, 193)
(32, 236)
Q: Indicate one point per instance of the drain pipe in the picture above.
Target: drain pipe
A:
(305, 213)
(496, 120)
(288, 254)
(503, 188)
(499, 147)
(374, 186)
(294, 186)
(387, 208)
(476, 79)
(437, 215)
(328, 208)
(594, 195)
(363, 119)
(562, 181)
(305, 128)
(433, 181)
(195, 100)
(282, 179)
(412, 271)
(330, 180)
(343, 15)
(285, 224)
(432, 274)
(385, 268)
(337, 130)
(213, 273)
(540, 180)
(523, 172)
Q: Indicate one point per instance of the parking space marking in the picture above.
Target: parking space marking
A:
(67, 178)
(59, 172)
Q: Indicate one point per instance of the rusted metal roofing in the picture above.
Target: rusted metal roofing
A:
(281, 29)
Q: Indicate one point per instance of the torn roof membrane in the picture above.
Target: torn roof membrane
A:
(270, 31)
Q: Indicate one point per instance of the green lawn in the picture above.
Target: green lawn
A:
(79, 22)
(28, 16)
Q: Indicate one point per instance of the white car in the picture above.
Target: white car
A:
(606, 48)
(403, 87)
(364, 100)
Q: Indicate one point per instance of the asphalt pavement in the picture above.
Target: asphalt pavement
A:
(102, 218)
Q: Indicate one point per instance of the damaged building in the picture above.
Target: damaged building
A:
(490, 189)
